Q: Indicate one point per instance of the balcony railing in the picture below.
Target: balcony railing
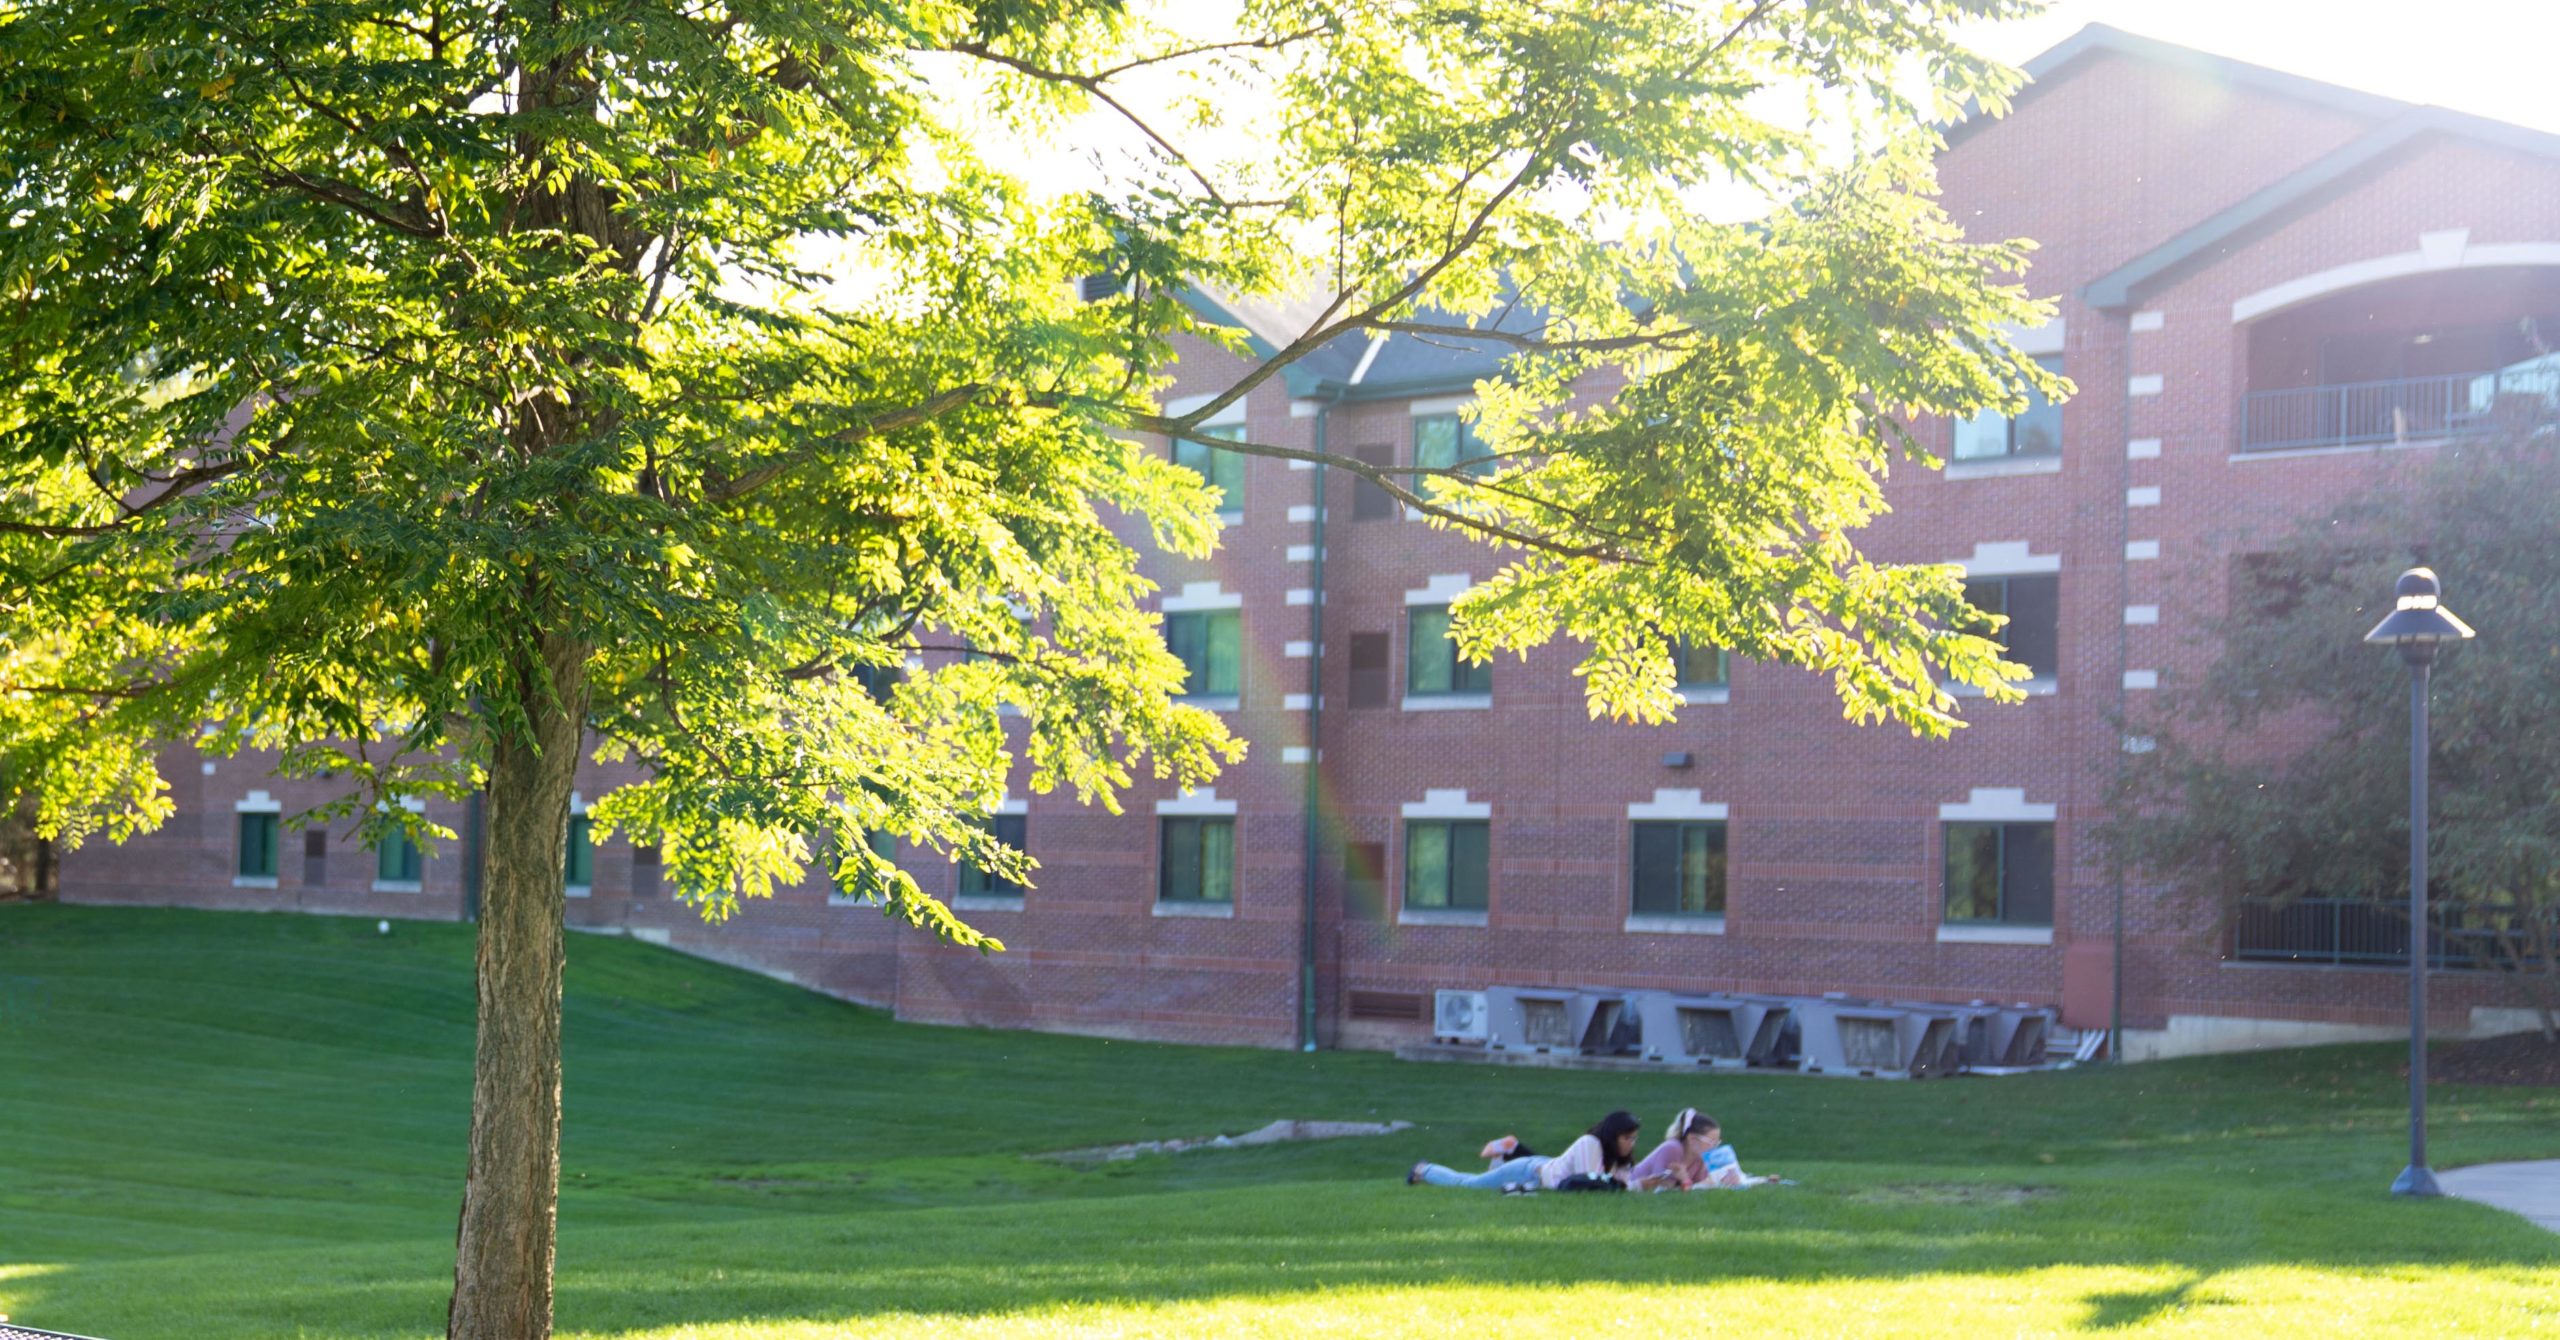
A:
(2410, 409)
(2353, 931)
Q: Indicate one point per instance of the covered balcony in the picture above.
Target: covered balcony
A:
(2421, 358)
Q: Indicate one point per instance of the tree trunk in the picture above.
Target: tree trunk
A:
(510, 1197)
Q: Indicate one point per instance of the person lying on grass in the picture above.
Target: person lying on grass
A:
(1597, 1161)
(1694, 1158)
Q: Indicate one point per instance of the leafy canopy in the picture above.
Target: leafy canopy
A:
(359, 354)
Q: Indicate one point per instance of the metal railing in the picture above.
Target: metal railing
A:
(2339, 931)
(2409, 409)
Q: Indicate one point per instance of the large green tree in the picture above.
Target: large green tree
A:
(413, 388)
(2282, 771)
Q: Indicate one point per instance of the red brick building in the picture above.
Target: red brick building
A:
(2273, 293)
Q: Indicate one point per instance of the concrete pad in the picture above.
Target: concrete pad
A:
(2528, 1189)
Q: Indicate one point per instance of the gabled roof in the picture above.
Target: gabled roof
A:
(2218, 235)
(2055, 65)
(1354, 367)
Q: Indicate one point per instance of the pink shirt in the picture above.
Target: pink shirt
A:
(1671, 1156)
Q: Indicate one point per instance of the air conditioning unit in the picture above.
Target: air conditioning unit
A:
(1459, 1016)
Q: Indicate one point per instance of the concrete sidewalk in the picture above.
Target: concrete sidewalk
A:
(2528, 1189)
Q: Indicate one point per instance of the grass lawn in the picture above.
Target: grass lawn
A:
(226, 1125)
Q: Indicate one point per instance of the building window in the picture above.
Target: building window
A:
(1679, 869)
(1364, 880)
(397, 860)
(879, 681)
(2000, 874)
(1446, 442)
(1369, 683)
(1697, 667)
(644, 870)
(258, 835)
(1209, 643)
(1445, 861)
(1368, 501)
(315, 856)
(1199, 860)
(1431, 657)
(581, 862)
(1217, 467)
(1009, 829)
(2037, 431)
(2033, 635)
(882, 843)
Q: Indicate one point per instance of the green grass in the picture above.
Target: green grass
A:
(219, 1125)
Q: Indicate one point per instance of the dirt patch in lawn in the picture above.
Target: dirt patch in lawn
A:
(1951, 1193)
(2518, 1058)
(1278, 1132)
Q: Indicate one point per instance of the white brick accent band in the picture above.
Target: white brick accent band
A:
(1203, 801)
(2149, 383)
(1996, 804)
(1302, 553)
(2137, 550)
(2142, 679)
(257, 802)
(2139, 744)
(1181, 405)
(1295, 702)
(2033, 340)
(1441, 404)
(1437, 804)
(2147, 495)
(1015, 805)
(1672, 804)
(1301, 513)
(2139, 614)
(1297, 651)
(2143, 321)
(1203, 596)
(1440, 590)
(1301, 595)
(2142, 449)
(1293, 753)
(2007, 558)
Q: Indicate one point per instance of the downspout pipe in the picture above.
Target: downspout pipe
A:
(1311, 812)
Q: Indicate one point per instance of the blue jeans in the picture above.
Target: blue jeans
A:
(1515, 1173)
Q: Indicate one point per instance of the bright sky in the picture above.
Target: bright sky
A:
(2493, 58)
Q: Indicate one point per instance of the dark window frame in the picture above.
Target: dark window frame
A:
(1210, 622)
(2040, 415)
(1478, 463)
(1013, 830)
(1172, 867)
(398, 859)
(1456, 861)
(2009, 634)
(1683, 650)
(1465, 679)
(268, 845)
(1217, 467)
(2008, 833)
(578, 865)
(1716, 897)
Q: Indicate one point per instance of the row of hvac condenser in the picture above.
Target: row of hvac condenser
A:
(1829, 1034)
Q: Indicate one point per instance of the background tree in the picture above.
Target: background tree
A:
(2282, 772)
(414, 388)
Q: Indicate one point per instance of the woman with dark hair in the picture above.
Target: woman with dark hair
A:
(1598, 1161)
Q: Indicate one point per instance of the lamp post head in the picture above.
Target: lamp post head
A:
(2420, 621)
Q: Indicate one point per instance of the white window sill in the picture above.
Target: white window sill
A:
(2005, 466)
(1231, 516)
(1995, 935)
(581, 890)
(1440, 916)
(1213, 911)
(2042, 686)
(1212, 702)
(1448, 702)
(253, 881)
(1704, 694)
(969, 902)
(399, 886)
(2359, 449)
(1663, 923)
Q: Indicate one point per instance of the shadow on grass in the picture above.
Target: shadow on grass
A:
(1305, 1240)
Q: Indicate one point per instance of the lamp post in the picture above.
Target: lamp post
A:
(2418, 624)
